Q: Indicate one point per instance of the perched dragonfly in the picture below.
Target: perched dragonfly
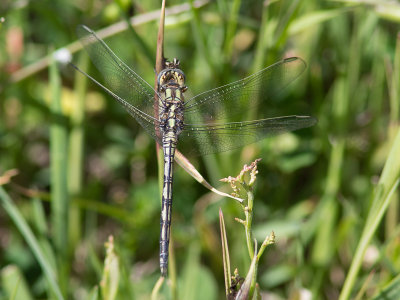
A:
(205, 121)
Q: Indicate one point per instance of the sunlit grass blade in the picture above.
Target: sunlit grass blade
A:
(394, 86)
(283, 26)
(31, 240)
(262, 42)
(315, 18)
(225, 253)
(76, 138)
(156, 288)
(76, 150)
(58, 171)
(14, 284)
(111, 272)
(389, 10)
(387, 185)
(392, 218)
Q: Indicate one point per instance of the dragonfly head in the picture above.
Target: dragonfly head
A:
(172, 77)
(174, 64)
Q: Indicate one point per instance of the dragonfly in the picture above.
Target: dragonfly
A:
(206, 121)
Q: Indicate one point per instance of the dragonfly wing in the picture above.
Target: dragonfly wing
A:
(223, 137)
(132, 91)
(226, 102)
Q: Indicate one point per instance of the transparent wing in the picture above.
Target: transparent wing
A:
(127, 87)
(223, 137)
(232, 100)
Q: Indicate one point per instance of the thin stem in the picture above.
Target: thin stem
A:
(268, 241)
(249, 219)
(157, 287)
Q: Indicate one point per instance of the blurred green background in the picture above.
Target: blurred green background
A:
(86, 170)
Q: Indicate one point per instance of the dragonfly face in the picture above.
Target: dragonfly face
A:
(206, 121)
(172, 76)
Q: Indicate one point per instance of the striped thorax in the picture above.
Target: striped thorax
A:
(171, 86)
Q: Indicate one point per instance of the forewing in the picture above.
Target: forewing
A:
(207, 139)
(134, 93)
(230, 101)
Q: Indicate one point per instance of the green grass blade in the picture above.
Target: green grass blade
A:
(286, 20)
(197, 282)
(157, 287)
(247, 289)
(394, 86)
(225, 253)
(260, 54)
(387, 185)
(200, 37)
(314, 18)
(31, 240)
(76, 138)
(76, 151)
(14, 283)
(191, 273)
(392, 218)
(231, 28)
(94, 294)
(111, 272)
(390, 291)
(58, 170)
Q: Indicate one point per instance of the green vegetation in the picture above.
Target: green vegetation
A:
(75, 168)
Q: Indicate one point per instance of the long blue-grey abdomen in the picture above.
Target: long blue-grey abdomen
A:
(166, 206)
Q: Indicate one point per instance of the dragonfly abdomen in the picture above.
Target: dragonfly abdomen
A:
(166, 207)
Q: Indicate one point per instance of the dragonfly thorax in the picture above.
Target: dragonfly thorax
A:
(171, 86)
